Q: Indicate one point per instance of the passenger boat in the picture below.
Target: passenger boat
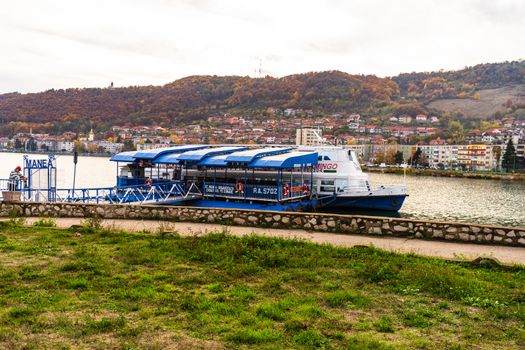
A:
(269, 178)
(338, 171)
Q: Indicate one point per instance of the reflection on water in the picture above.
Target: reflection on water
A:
(497, 202)
(434, 198)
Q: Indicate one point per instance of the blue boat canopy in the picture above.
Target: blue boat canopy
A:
(249, 155)
(170, 158)
(215, 161)
(200, 154)
(124, 157)
(286, 160)
(153, 154)
(223, 156)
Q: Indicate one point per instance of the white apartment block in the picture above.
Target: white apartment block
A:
(110, 147)
(309, 137)
(479, 157)
(65, 146)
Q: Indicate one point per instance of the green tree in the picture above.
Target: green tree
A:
(399, 157)
(31, 145)
(456, 131)
(128, 145)
(508, 162)
(415, 157)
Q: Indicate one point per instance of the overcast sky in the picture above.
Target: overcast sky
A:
(71, 43)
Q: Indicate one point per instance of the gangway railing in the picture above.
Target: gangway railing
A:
(136, 194)
(11, 185)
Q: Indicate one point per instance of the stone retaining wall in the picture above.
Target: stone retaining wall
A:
(365, 225)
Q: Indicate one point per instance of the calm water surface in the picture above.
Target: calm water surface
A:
(451, 199)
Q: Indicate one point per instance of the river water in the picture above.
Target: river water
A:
(496, 202)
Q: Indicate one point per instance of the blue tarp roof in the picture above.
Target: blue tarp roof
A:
(170, 158)
(153, 154)
(280, 161)
(124, 157)
(200, 154)
(224, 156)
(215, 161)
(286, 160)
(248, 156)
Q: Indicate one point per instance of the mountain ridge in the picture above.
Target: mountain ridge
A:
(194, 98)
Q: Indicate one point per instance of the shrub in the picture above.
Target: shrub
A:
(271, 311)
(45, 222)
(345, 298)
(77, 283)
(92, 224)
(311, 339)
(384, 325)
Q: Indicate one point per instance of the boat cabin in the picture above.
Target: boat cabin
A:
(225, 173)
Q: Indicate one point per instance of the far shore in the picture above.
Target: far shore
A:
(449, 173)
(103, 155)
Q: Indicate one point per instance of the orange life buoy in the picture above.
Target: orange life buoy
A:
(239, 187)
(286, 190)
(148, 181)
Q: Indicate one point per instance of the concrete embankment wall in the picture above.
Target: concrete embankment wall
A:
(366, 225)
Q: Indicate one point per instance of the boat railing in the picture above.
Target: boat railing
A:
(140, 181)
(11, 185)
(386, 189)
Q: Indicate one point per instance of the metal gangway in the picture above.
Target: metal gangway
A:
(157, 193)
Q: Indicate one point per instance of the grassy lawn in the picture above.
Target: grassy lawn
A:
(105, 289)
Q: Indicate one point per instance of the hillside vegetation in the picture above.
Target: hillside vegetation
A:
(100, 289)
(487, 101)
(197, 97)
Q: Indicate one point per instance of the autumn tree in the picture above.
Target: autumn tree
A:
(497, 154)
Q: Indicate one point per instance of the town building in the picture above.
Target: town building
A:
(309, 137)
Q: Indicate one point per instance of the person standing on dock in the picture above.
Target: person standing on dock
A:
(14, 178)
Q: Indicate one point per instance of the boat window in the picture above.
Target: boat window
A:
(320, 158)
(326, 158)
(327, 186)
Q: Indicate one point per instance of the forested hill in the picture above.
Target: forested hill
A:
(197, 97)
(429, 86)
(193, 97)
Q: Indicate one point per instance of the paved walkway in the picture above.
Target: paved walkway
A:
(449, 250)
